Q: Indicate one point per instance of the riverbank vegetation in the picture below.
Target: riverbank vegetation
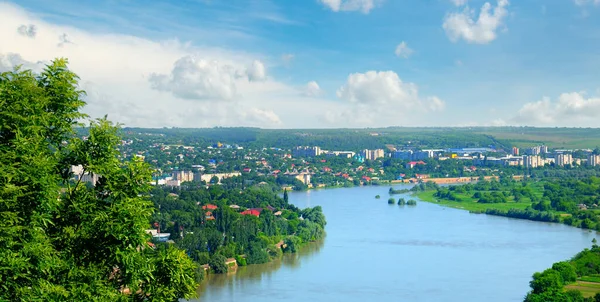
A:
(251, 225)
(576, 280)
(570, 201)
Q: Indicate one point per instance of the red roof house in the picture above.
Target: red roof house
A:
(210, 207)
(251, 212)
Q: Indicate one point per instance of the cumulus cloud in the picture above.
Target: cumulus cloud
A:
(482, 30)
(312, 89)
(27, 30)
(384, 88)
(11, 60)
(570, 109)
(151, 83)
(364, 6)
(193, 78)
(402, 50)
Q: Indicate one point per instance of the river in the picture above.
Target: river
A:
(379, 252)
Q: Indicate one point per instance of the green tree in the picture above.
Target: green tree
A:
(217, 264)
(285, 196)
(61, 240)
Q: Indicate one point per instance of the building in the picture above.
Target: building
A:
(372, 154)
(537, 150)
(207, 177)
(562, 159)
(345, 154)
(533, 161)
(302, 151)
(515, 151)
(593, 160)
(412, 155)
(79, 174)
(183, 176)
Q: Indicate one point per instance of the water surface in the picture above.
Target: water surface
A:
(380, 252)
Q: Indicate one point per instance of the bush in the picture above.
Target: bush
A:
(391, 201)
(401, 201)
(292, 243)
(217, 264)
(241, 261)
(377, 196)
(411, 202)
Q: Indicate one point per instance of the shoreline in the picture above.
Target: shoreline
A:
(411, 181)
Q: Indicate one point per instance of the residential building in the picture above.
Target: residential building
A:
(183, 176)
(533, 161)
(515, 151)
(79, 174)
(413, 155)
(373, 154)
(562, 159)
(593, 160)
(304, 151)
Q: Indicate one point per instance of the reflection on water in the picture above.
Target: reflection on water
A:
(257, 272)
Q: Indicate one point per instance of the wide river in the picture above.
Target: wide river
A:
(379, 252)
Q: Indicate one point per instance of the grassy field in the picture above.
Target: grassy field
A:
(568, 138)
(587, 289)
(470, 204)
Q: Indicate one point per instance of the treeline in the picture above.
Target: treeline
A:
(549, 285)
(575, 199)
(253, 225)
(329, 139)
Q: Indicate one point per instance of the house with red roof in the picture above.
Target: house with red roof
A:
(246, 170)
(253, 212)
(210, 207)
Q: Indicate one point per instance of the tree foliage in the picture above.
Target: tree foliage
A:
(61, 240)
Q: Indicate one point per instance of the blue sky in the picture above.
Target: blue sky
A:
(530, 62)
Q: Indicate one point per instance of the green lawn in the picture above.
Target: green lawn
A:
(587, 289)
(470, 205)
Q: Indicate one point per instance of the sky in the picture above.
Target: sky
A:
(319, 63)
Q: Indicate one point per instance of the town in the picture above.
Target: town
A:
(305, 167)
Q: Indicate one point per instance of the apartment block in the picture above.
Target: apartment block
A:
(304, 151)
(562, 159)
(373, 154)
(533, 161)
(593, 160)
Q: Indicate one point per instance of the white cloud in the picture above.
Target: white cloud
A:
(9, 61)
(459, 2)
(27, 30)
(402, 50)
(193, 78)
(384, 88)
(364, 6)
(586, 2)
(312, 89)
(120, 71)
(570, 109)
(462, 25)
